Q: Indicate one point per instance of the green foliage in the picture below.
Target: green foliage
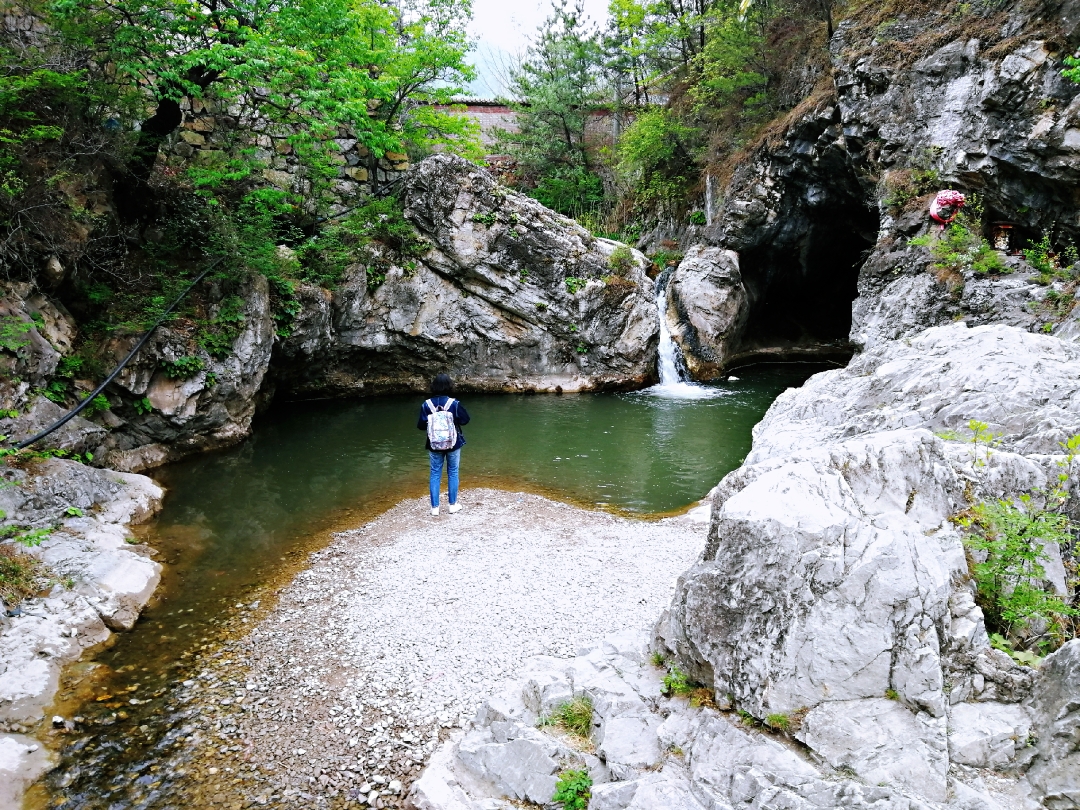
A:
(1041, 256)
(555, 91)
(892, 694)
(657, 659)
(575, 283)
(666, 258)
(960, 247)
(676, 682)
(97, 405)
(13, 333)
(488, 219)
(698, 218)
(217, 336)
(143, 406)
(319, 65)
(621, 260)
(654, 156)
(573, 790)
(1010, 539)
(353, 239)
(183, 368)
(73, 511)
(780, 722)
(574, 716)
(24, 535)
(581, 348)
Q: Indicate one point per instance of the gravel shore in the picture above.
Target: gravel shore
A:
(400, 628)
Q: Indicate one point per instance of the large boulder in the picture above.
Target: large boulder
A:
(489, 303)
(1056, 770)
(707, 309)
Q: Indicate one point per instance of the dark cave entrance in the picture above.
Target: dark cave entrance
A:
(802, 283)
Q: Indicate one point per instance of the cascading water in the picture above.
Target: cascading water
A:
(673, 383)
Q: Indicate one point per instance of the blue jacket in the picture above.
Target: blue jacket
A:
(461, 417)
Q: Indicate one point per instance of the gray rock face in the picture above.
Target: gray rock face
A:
(867, 753)
(707, 309)
(108, 581)
(1056, 770)
(489, 303)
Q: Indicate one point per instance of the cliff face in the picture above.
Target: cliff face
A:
(822, 212)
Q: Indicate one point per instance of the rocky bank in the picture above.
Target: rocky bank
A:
(98, 580)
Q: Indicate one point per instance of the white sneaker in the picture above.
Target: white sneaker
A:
(435, 511)
(455, 508)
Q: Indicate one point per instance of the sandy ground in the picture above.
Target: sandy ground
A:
(400, 628)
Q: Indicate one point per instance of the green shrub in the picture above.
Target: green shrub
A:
(143, 406)
(1011, 537)
(573, 790)
(676, 683)
(13, 333)
(780, 722)
(621, 260)
(183, 368)
(698, 218)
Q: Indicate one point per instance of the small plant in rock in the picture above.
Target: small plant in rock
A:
(575, 283)
(573, 790)
(183, 368)
(778, 722)
(1040, 255)
(657, 659)
(143, 406)
(892, 694)
(21, 575)
(621, 260)
(981, 435)
(701, 697)
(747, 718)
(488, 219)
(97, 405)
(574, 716)
(581, 348)
(676, 682)
(13, 333)
(698, 218)
(540, 305)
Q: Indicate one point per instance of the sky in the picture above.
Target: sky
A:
(503, 29)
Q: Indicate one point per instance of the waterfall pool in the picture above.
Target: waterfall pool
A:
(240, 520)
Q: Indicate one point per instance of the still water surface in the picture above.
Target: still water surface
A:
(235, 520)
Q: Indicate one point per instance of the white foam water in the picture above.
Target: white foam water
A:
(673, 384)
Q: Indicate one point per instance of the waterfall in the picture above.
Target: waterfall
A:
(673, 377)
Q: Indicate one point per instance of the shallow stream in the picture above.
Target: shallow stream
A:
(238, 522)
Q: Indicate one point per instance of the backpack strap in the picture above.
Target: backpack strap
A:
(430, 405)
(449, 401)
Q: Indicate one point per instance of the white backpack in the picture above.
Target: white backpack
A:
(441, 430)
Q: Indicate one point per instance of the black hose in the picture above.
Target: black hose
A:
(142, 342)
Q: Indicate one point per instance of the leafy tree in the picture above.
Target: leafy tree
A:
(556, 89)
(314, 64)
(655, 157)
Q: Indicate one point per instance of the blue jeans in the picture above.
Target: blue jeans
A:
(452, 458)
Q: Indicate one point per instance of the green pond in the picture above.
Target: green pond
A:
(240, 519)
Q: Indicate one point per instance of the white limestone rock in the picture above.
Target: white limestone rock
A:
(1055, 773)
(988, 735)
(22, 761)
(883, 742)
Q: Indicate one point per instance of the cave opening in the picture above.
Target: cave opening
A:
(801, 284)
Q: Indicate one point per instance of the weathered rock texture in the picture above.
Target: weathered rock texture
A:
(488, 303)
(707, 309)
(833, 596)
(101, 583)
(973, 102)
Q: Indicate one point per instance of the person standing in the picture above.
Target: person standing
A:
(442, 417)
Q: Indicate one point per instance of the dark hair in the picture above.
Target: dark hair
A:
(442, 384)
